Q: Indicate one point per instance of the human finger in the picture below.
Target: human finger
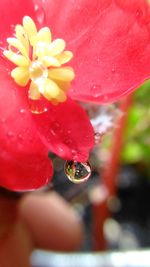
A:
(52, 222)
(15, 241)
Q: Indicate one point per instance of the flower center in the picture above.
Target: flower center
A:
(40, 62)
(37, 71)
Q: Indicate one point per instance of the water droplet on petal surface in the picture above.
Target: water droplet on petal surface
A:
(40, 14)
(95, 89)
(77, 172)
(113, 70)
(22, 110)
(37, 106)
(10, 134)
(56, 126)
(12, 26)
(68, 142)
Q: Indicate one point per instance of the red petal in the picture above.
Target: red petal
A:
(111, 44)
(114, 58)
(71, 19)
(11, 13)
(24, 162)
(66, 130)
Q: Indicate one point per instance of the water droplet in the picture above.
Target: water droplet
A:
(74, 153)
(22, 110)
(56, 128)
(37, 106)
(8, 71)
(40, 14)
(98, 60)
(12, 26)
(62, 150)
(68, 141)
(139, 13)
(113, 70)
(95, 90)
(77, 172)
(10, 134)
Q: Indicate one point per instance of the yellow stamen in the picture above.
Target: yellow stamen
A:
(50, 61)
(34, 93)
(22, 37)
(64, 57)
(63, 74)
(20, 75)
(16, 58)
(56, 47)
(13, 42)
(30, 29)
(51, 90)
(40, 60)
(45, 35)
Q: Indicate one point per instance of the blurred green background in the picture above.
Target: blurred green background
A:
(136, 148)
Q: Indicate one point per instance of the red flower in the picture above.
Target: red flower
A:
(110, 43)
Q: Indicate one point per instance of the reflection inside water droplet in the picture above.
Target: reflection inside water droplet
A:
(77, 172)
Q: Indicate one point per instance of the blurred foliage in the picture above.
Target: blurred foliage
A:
(137, 136)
